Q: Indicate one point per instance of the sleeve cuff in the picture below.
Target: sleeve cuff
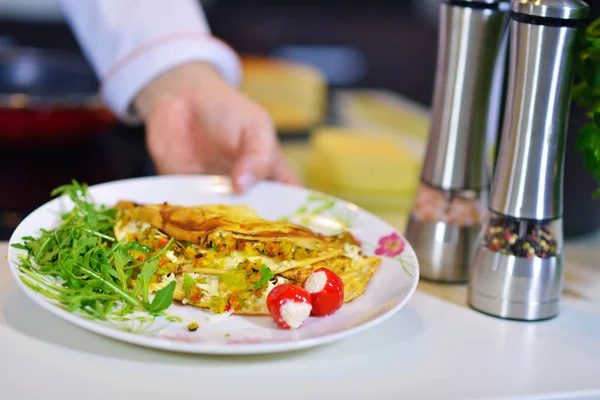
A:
(128, 77)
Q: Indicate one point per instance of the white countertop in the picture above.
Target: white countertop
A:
(434, 348)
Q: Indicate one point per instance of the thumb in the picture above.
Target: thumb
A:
(255, 161)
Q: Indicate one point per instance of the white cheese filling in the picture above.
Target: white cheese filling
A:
(166, 279)
(236, 257)
(271, 285)
(170, 254)
(352, 251)
(132, 227)
(294, 314)
(211, 287)
(316, 282)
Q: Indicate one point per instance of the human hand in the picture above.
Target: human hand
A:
(196, 123)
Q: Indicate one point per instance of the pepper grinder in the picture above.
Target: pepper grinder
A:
(517, 268)
(452, 197)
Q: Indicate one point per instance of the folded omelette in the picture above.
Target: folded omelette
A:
(228, 258)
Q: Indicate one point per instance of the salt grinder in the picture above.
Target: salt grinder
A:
(517, 267)
(452, 198)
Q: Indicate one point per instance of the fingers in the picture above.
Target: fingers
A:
(257, 152)
(282, 172)
(243, 175)
(167, 125)
(278, 170)
(261, 158)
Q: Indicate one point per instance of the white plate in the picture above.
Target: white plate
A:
(389, 290)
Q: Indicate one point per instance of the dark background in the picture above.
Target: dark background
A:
(396, 41)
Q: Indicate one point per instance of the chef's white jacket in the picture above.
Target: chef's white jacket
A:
(131, 42)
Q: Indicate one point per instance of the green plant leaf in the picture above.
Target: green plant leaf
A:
(188, 282)
(137, 246)
(80, 264)
(163, 298)
(148, 270)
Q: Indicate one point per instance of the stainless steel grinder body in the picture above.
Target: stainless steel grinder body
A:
(446, 218)
(517, 267)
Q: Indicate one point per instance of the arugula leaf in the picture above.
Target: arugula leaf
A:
(120, 260)
(144, 277)
(93, 266)
(156, 256)
(188, 282)
(162, 299)
(137, 246)
(148, 270)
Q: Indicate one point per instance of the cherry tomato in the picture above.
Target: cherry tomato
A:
(289, 305)
(326, 291)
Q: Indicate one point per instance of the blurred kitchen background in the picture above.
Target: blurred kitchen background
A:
(349, 85)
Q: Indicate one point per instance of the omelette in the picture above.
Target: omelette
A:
(228, 258)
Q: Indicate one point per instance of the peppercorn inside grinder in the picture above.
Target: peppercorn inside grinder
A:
(452, 199)
(517, 267)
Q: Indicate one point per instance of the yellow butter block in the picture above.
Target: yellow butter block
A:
(384, 110)
(294, 94)
(350, 161)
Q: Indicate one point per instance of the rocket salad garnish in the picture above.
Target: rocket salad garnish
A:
(82, 265)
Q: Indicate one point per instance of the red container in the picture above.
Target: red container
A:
(48, 96)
